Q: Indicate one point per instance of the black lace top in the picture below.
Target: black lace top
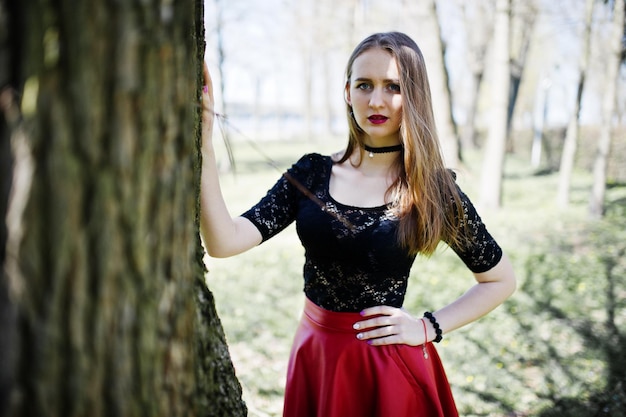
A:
(352, 258)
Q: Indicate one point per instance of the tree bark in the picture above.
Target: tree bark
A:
(102, 291)
(614, 61)
(493, 163)
(571, 137)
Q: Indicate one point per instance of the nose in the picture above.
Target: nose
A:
(376, 98)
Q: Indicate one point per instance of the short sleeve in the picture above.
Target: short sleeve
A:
(278, 208)
(483, 252)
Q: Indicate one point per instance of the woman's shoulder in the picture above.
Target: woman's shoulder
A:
(313, 162)
(315, 157)
(312, 157)
(310, 168)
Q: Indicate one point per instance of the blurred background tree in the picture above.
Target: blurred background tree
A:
(614, 60)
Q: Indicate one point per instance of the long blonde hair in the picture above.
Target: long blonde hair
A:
(424, 197)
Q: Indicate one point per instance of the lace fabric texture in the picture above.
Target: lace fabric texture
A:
(352, 258)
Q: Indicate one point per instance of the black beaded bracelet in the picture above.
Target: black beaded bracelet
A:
(438, 331)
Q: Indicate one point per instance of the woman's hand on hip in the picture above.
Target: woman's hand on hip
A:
(385, 325)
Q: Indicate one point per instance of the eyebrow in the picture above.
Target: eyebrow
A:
(388, 80)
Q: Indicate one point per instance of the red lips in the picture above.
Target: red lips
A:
(377, 119)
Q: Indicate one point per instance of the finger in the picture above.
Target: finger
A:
(387, 340)
(376, 333)
(378, 310)
(208, 83)
(380, 316)
(207, 97)
(379, 321)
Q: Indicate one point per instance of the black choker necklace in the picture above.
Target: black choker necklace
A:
(384, 149)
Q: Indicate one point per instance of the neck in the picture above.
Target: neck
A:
(371, 150)
(378, 164)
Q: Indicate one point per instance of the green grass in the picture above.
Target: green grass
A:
(530, 356)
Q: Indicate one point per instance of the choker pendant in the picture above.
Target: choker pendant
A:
(384, 149)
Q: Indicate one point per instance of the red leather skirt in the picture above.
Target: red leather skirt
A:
(333, 374)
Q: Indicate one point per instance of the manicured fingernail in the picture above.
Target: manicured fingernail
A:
(205, 89)
(359, 336)
(356, 326)
(362, 313)
(369, 342)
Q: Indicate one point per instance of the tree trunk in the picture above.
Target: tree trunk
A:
(525, 13)
(542, 102)
(493, 163)
(103, 304)
(434, 51)
(469, 139)
(571, 138)
(306, 16)
(477, 18)
(614, 61)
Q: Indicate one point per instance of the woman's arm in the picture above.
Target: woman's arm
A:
(223, 235)
(492, 289)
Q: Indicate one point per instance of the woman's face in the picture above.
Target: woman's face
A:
(373, 91)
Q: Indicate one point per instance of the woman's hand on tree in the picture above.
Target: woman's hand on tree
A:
(208, 107)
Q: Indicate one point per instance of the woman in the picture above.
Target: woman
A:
(363, 215)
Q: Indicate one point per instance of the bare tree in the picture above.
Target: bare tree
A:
(335, 43)
(613, 62)
(571, 137)
(477, 18)
(524, 16)
(323, 29)
(433, 48)
(305, 21)
(495, 147)
(442, 95)
(103, 305)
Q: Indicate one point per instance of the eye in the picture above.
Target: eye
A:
(363, 86)
(394, 88)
